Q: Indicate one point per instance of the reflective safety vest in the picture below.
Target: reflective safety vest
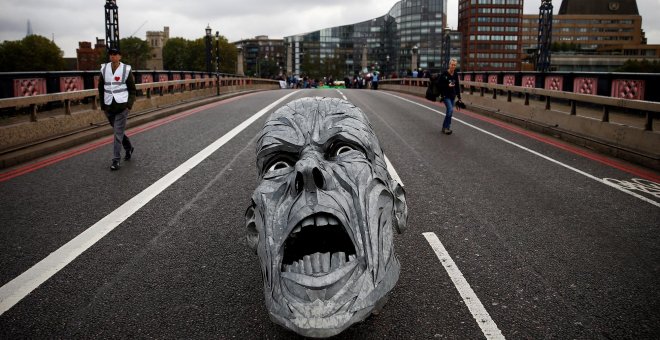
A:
(115, 83)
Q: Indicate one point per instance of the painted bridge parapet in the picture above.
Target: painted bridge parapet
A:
(620, 127)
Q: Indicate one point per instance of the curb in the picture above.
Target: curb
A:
(41, 149)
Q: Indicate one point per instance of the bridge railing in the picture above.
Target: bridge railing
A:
(577, 100)
(146, 89)
(649, 109)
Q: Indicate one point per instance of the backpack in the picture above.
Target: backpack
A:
(433, 89)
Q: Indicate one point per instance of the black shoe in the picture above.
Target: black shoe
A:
(446, 131)
(129, 154)
(114, 166)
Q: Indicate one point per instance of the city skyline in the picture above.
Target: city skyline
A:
(136, 18)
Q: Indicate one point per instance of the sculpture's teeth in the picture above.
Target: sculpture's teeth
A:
(316, 263)
(333, 220)
(297, 229)
(307, 263)
(337, 260)
(319, 263)
(307, 221)
(321, 220)
(325, 262)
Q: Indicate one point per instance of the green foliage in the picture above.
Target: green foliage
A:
(643, 66)
(32, 53)
(174, 54)
(135, 52)
(197, 56)
(180, 54)
(563, 46)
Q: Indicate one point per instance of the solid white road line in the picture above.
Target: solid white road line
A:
(487, 325)
(15, 290)
(392, 172)
(645, 199)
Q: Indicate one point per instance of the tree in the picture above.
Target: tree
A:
(135, 52)
(636, 66)
(197, 55)
(32, 53)
(228, 55)
(175, 54)
(190, 55)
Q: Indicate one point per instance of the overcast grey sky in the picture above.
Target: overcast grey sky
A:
(71, 21)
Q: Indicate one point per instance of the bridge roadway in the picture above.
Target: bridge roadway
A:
(545, 245)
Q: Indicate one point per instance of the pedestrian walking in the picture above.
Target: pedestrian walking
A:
(117, 92)
(450, 89)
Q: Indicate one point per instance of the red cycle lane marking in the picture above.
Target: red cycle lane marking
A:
(648, 175)
(587, 154)
(94, 145)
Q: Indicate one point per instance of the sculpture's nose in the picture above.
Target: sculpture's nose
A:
(308, 175)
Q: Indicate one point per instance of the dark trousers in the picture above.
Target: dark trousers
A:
(118, 123)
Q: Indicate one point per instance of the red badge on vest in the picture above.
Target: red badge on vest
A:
(117, 78)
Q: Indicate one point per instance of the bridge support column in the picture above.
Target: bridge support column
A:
(606, 114)
(648, 126)
(33, 112)
(573, 107)
(547, 102)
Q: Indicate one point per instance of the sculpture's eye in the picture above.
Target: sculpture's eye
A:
(279, 165)
(343, 149)
(340, 148)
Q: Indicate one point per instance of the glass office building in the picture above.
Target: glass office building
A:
(408, 37)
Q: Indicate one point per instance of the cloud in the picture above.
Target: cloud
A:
(72, 21)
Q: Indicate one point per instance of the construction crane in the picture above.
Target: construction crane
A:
(139, 28)
(545, 36)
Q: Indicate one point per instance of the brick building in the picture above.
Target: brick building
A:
(590, 35)
(491, 33)
(90, 58)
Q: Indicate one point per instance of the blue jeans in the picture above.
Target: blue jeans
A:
(449, 104)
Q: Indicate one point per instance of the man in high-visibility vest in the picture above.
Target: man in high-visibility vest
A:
(117, 93)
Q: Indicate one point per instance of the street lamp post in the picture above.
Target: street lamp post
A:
(208, 49)
(387, 65)
(217, 61)
(414, 58)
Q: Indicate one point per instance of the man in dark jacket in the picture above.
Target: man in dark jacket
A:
(117, 92)
(450, 88)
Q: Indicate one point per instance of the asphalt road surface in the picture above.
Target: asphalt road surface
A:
(510, 234)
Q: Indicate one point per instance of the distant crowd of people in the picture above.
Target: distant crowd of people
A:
(359, 81)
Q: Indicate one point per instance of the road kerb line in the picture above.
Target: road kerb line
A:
(645, 199)
(487, 325)
(18, 288)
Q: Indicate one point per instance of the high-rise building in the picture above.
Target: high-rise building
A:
(157, 40)
(408, 36)
(263, 57)
(590, 35)
(491, 34)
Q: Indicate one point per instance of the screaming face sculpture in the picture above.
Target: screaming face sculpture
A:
(322, 217)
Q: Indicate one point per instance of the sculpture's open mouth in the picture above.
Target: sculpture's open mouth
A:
(318, 254)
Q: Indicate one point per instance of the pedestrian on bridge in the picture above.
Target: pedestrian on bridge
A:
(117, 92)
(450, 88)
